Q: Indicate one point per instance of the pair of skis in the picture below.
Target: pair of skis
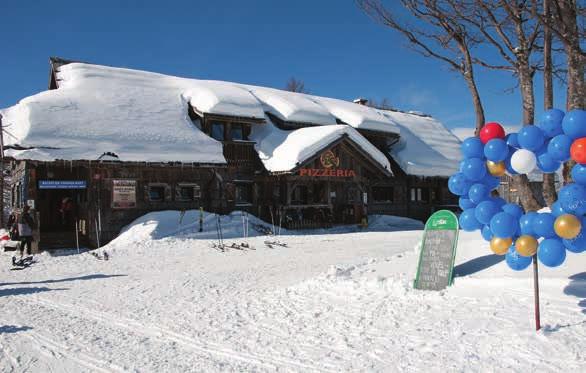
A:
(275, 242)
(221, 246)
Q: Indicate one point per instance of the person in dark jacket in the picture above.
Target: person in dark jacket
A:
(12, 226)
(26, 224)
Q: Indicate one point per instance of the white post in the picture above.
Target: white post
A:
(77, 235)
(97, 234)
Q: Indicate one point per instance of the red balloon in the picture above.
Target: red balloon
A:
(490, 131)
(578, 150)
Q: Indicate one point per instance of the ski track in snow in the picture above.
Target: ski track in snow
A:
(339, 302)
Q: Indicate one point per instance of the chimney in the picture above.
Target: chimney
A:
(360, 101)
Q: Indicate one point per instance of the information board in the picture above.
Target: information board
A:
(123, 194)
(62, 184)
(438, 251)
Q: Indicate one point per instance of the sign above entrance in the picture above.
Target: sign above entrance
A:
(326, 172)
(62, 184)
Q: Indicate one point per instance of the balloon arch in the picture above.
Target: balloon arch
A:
(510, 230)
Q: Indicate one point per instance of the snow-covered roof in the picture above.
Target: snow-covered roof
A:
(293, 107)
(282, 151)
(136, 115)
(143, 116)
(359, 116)
(214, 97)
(426, 147)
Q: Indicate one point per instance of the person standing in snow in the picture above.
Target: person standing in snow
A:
(26, 224)
(12, 226)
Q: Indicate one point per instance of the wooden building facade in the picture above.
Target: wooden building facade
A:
(340, 183)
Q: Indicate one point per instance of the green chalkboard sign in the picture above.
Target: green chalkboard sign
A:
(438, 251)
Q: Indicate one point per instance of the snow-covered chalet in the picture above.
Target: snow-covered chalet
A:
(105, 145)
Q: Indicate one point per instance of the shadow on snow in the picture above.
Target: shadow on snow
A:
(80, 278)
(477, 264)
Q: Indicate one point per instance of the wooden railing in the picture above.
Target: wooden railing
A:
(240, 152)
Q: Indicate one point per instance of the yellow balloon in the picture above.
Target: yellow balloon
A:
(496, 168)
(500, 246)
(526, 245)
(567, 226)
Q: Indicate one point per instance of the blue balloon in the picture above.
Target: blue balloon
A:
(559, 148)
(572, 197)
(512, 141)
(508, 164)
(556, 209)
(542, 149)
(472, 147)
(468, 221)
(515, 261)
(551, 252)
(547, 164)
(485, 211)
(579, 174)
(551, 122)
(490, 181)
(458, 184)
(543, 225)
(503, 225)
(496, 150)
(531, 138)
(466, 204)
(526, 223)
(486, 233)
(499, 201)
(574, 124)
(474, 169)
(513, 209)
(478, 193)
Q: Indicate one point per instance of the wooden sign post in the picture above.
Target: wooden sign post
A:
(438, 252)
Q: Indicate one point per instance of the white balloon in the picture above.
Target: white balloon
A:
(523, 161)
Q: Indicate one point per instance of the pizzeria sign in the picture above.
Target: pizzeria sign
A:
(329, 162)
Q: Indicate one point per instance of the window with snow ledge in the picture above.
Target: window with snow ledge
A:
(185, 192)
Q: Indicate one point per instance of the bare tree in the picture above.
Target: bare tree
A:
(549, 192)
(509, 27)
(434, 32)
(566, 21)
(295, 85)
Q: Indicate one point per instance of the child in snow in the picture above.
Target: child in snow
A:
(26, 224)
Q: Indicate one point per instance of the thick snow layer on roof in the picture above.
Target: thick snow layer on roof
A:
(358, 116)
(282, 151)
(136, 115)
(426, 147)
(225, 98)
(293, 107)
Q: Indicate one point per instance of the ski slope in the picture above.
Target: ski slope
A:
(337, 300)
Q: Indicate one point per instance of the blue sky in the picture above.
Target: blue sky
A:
(329, 44)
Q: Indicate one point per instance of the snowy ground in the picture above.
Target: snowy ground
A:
(166, 301)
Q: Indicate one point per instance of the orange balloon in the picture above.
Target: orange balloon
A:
(578, 150)
(567, 226)
(500, 246)
(526, 245)
(497, 169)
